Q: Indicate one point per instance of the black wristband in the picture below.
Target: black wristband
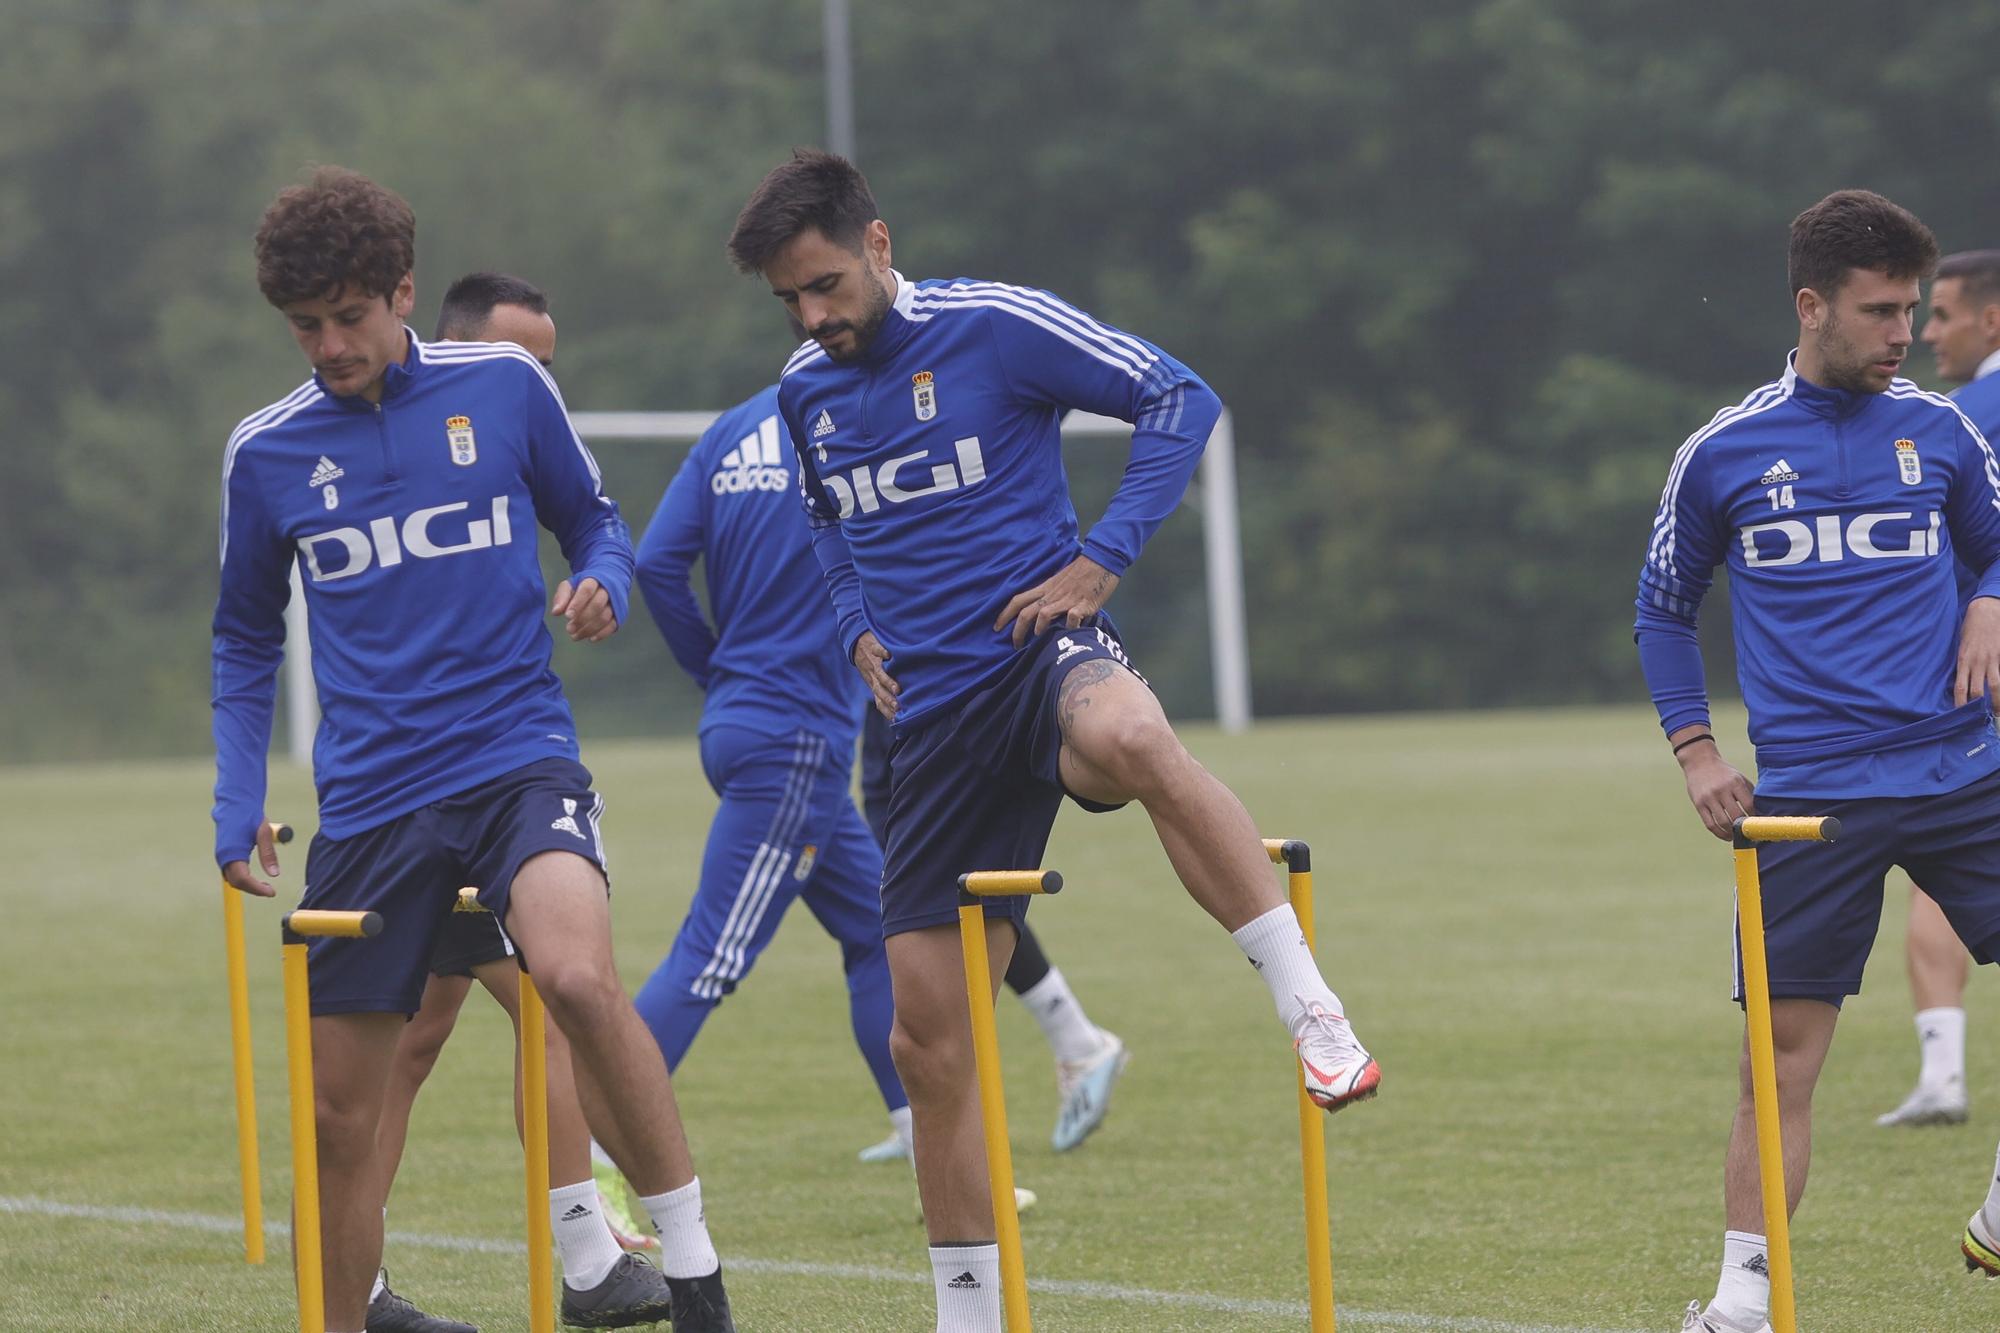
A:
(1693, 740)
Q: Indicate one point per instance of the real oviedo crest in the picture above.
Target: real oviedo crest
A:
(1906, 462)
(458, 434)
(923, 387)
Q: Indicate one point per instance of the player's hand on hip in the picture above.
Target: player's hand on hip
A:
(586, 611)
(869, 657)
(1978, 674)
(237, 873)
(1719, 794)
(1073, 595)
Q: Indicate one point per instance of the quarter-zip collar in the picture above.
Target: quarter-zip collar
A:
(1817, 398)
(395, 379)
(897, 322)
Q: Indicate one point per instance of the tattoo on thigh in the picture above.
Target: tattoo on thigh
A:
(1072, 696)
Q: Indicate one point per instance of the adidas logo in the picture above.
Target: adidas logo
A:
(1757, 1263)
(567, 824)
(823, 426)
(1780, 471)
(576, 1213)
(964, 1282)
(754, 464)
(326, 472)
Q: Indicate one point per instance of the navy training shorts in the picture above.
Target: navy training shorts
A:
(977, 785)
(411, 869)
(1823, 900)
(468, 940)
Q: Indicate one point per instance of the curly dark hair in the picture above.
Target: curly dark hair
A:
(1857, 229)
(811, 191)
(338, 230)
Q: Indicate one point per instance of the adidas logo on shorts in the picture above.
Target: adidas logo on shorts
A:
(568, 821)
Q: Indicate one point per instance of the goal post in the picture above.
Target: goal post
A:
(1214, 494)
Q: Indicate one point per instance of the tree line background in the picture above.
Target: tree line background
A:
(1467, 272)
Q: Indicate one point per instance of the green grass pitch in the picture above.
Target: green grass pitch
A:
(1523, 917)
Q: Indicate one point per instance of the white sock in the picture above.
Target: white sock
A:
(381, 1274)
(599, 1157)
(685, 1249)
(905, 1125)
(1941, 1037)
(1743, 1296)
(583, 1237)
(1072, 1036)
(1276, 947)
(967, 1278)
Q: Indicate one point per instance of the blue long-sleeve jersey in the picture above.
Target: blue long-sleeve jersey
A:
(932, 471)
(413, 524)
(1838, 514)
(772, 663)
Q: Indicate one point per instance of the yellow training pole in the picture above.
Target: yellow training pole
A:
(1297, 860)
(986, 1058)
(1763, 1059)
(246, 1084)
(534, 1140)
(299, 1067)
(535, 1146)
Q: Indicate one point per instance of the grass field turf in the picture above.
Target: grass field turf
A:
(1518, 908)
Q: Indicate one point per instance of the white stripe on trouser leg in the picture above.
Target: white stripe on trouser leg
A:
(704, 984)
(738, 961)
(766, 868)
(736, 954)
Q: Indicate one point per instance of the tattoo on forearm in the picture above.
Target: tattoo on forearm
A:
(1072, 696)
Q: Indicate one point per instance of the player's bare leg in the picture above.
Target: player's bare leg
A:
(1118, 746)
(1801, 1031)
(351, 1056)
(559, 915)
(417, 1049)
(1939, 968)
(931, 1044)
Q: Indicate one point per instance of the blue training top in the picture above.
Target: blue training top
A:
(413, 523)
(932, 467)
(773, 662)
(1839, 514)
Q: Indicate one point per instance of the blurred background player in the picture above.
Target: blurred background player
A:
(926, 424)
(589, 1232)
(1866, 700)
(446, 755)
(1088, 1058)
(1963, 334)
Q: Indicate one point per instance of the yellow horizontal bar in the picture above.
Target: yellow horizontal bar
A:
(1006, 883)
(1788, 828)
(468, 900)
(347, 925)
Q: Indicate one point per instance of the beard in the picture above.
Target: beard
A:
(875, 309)
(1842, 364)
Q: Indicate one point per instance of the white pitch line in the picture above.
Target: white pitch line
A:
(221, 1224)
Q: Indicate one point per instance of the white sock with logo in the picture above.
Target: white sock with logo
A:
(1276, 947)
(968, 1287)
(1072, 1036)
(1743, 1296)
(1941, 1038)
(583, 1237)
(685, 1249)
